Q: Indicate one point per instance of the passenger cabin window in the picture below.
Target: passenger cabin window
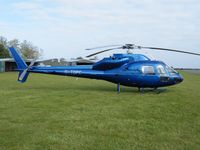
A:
(161, 70)
(148, 70)
(134, 69)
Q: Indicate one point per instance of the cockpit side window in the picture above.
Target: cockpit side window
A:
(161, 70)
(148, 70)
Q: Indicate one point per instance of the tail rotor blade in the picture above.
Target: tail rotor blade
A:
(32, 63)
(22, 75)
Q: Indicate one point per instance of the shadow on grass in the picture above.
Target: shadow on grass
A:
(95, 88)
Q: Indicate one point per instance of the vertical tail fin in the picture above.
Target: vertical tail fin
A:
(18, 59)
(21, 65)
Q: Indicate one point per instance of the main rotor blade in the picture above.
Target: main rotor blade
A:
(104, 51)
(102, 47)
(166, 49)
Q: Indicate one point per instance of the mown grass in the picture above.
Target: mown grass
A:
(53, 112)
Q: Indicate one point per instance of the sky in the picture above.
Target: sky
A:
(65, 28)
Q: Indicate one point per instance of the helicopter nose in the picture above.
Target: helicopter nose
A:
(178, 79)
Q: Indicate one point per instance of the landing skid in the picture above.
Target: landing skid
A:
(147, 90)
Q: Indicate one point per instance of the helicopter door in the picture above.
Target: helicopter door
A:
(163, 74)
(148, 77)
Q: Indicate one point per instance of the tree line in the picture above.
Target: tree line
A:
(27, 49)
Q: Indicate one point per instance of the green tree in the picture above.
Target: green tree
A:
(3, 41)
(15, 43)
(4, 53)
(30, 51)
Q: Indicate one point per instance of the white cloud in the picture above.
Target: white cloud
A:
(26, 5)
(3, 24)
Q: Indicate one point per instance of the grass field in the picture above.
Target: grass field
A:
(53, 112)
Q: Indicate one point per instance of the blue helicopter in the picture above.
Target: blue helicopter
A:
(133, 70)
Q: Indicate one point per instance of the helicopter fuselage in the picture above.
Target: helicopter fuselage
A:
(143, 73)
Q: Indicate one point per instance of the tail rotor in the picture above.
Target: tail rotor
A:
(21, 65)
(24, 74)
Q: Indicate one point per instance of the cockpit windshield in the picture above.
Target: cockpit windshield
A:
(171, 70)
